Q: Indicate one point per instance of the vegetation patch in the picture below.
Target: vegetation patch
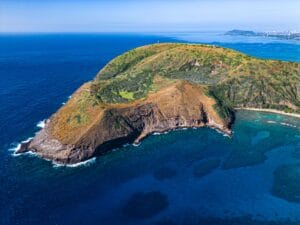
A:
(234, 79)
(126, 95)
(231, 78)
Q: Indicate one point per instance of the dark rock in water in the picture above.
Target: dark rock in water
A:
(24, 147)
(145, 204)
(206, 167)
(164, 173)
(286, 182)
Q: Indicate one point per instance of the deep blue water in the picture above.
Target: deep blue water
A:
(183, 177)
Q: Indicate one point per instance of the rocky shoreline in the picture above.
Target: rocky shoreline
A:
(53, 144)
(132, 123)
(159, 88)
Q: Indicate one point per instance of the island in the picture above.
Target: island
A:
(288, 35)
(163, 87)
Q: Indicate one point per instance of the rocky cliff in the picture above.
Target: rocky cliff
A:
(162, 87)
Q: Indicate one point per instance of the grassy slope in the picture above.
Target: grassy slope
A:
(232, 77)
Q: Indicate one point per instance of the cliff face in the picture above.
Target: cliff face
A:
(163, 87)
(180, 104)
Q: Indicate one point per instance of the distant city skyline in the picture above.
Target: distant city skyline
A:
(147, 15)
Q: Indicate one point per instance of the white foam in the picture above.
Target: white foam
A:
(226, 135)
(168, 131)
(69, 97)
(282, 123)
(288, 125)
(14, 154)
(15, 148)
(126, 145)
(41, 124)
(26, 153)
(27, 140)
(31, 153)
(220, 132)
(136, 144)
(84, 163)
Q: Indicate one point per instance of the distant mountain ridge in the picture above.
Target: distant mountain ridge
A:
(276, 34)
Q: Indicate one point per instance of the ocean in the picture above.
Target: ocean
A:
(191, 176)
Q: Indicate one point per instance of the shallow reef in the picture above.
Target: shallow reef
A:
(206, 167)
(286, 183)
(145, 204)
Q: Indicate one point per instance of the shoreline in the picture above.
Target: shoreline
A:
(22, 147)
(19, 149)
(270, 111)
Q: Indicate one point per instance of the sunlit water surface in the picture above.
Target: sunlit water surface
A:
(193, 176)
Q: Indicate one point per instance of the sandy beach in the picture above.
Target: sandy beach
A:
(271, 111)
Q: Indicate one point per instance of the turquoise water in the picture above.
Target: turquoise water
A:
(193, 176)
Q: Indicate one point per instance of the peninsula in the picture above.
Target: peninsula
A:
(288, 35)
(163, 87)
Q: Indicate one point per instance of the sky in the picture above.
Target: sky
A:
(148, 15)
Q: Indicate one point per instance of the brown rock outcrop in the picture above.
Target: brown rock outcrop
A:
(178, 105)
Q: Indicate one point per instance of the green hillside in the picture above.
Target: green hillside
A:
(232, 78)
